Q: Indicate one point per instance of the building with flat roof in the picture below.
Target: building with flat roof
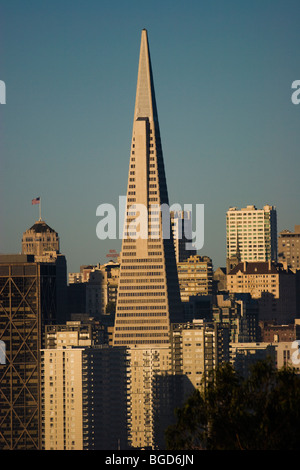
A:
(27, 305)
(274, 287)
(289, 248)
(84, 397)
(252, 233)
(195, 277)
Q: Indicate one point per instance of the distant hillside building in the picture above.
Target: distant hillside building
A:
(274, 287)
(289, 248)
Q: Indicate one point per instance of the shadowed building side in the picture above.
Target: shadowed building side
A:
(148, 295)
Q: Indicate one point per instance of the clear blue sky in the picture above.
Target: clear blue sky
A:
(222, 73)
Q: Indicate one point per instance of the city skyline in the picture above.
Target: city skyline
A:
(130, 354)
(229, 129)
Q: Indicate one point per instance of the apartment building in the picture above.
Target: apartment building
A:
(252, 233)
(195, 277)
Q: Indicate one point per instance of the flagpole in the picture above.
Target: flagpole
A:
(40, 207)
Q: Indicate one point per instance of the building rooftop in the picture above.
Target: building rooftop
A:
(255, 267)
(40, 226)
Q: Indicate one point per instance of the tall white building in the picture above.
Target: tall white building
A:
(252, 233)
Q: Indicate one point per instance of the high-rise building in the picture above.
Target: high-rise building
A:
(148, 295)
(195, 277)
(197, 349)
(289, 248)
(27, 304)
(148, 299)
(240, 313)
(252, 234)
(43, 242)
(84, 398)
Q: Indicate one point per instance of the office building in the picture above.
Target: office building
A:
(195, 277)
(197, 349)
(27, 305)
(148, 295)
(43, 242)
(39, 239)
(252, 233)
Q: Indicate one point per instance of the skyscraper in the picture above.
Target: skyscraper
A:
(148, 296)
(27, 304)
(43, 242)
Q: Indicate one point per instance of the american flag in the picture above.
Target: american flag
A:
(35, 201)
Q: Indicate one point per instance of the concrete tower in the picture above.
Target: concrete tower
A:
(148, 295)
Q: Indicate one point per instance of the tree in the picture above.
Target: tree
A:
(261, 412)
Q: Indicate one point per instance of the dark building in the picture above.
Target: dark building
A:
(27, 304)
(43, 242)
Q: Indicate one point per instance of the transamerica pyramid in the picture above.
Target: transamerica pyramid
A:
(148, 295)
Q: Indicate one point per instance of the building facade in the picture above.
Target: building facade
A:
(195, 277)
(197, 349)
(39, 239)
(240, 312)
(27, 304)
(148, 295)
(289, 248)
(182, 234)
(252, 233)
(274, 287)
(84, 398)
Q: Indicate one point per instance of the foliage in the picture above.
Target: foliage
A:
(261, 412)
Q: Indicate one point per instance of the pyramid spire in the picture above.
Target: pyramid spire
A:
(148, 295)
(145, 103)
